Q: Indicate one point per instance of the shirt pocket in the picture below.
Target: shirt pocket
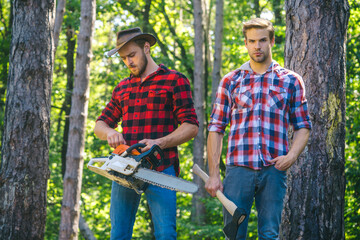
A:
(243, 98)
(276, 98)
(158, 100)
(124, 102)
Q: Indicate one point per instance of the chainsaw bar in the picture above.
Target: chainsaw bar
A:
(165, 181)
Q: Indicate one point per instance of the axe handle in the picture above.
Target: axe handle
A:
(229, 205)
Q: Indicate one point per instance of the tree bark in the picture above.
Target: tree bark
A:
(70, 209)
(25, 148)
(315, 48)
(199, 102)
(71, 42)
(219, 33)
(60, 11)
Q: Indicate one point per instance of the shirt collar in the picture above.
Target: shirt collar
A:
(161, 68)
(246, 67)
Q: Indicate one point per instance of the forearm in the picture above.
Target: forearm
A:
(214, 147)
(101, 130)
(301, 137)
(182, 134)
(300, 140)
(104, 132)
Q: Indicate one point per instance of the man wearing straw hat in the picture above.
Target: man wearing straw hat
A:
(155, 106)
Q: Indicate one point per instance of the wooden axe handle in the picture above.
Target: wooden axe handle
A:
(229, 205)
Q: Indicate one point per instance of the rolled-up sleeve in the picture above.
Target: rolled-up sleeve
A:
(299, 114)
(220, 115)
(183, 103)
(112, 113)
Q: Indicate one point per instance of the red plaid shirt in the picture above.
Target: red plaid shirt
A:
(151, 109)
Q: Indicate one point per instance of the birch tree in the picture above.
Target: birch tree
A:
(70, 210)
(315, 48)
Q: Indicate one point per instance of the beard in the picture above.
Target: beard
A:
(141, 67)
(262, 58)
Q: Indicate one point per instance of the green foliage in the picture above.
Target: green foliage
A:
(352, 194)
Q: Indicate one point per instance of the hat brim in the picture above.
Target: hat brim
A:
(148, 37)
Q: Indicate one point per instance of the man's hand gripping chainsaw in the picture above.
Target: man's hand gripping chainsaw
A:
(133, 169)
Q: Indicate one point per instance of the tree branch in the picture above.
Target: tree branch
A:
(85, 230)
(163, 48)
(186, 61)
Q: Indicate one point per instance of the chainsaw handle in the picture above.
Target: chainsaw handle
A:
(137, 146)
(157, 149)
(96, 160)
(151, 161)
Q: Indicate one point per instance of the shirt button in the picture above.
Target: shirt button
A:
(136, 115)
(134, 130)
(137, 101)
(259, 118)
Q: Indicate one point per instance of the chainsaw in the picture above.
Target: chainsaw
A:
(133, 169)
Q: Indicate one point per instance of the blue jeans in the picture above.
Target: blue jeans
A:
(267, 186)
(125, 203)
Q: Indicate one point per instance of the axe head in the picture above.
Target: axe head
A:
(230, 230)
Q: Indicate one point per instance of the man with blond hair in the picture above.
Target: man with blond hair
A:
(260, 100)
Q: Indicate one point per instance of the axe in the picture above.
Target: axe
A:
(238, 214)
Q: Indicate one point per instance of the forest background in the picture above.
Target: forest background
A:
(171, 22)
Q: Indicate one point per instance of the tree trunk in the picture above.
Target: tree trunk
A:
(71, 42)
(25, 149)
(315, 48)
(219, 32)
(199, 102)
(74, 165)
(60, 11)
